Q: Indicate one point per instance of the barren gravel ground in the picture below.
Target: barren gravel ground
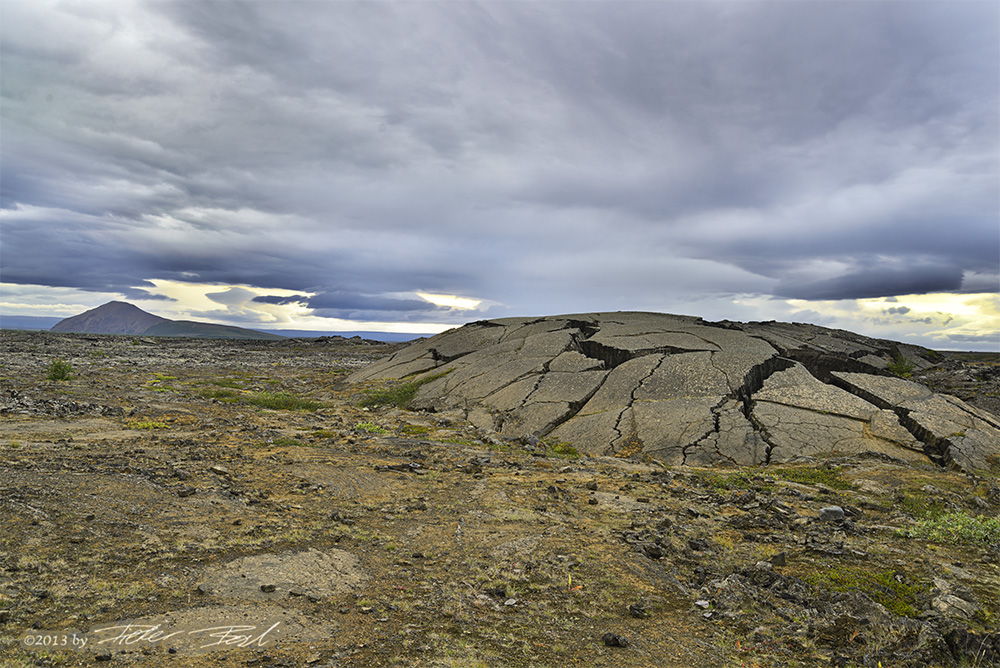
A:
(170, 505)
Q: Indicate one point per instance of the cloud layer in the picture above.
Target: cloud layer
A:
(540, 157)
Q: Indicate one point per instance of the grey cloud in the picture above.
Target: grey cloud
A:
(545, 157)
(280, 301)
(875, 281)
(232, 296)
(341, 301)
(898, 310)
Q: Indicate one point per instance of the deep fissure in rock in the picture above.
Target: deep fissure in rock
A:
(755, 378)
(821, 364)
(936, 449)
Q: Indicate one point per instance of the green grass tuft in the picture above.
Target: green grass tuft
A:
(399, 395)
(283, 401)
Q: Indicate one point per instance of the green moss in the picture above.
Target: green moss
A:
(889, 588)
(147, 424)
(921, 505)
(371, 428)
(812, 476)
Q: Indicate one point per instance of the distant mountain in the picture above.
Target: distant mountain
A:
(111, 318)
(206, 330)
(124, 318)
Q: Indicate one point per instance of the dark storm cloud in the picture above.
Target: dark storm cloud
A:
(280, 301)
(876, 281)
(547, 157)
(347, 301)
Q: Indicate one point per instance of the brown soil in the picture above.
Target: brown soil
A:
(149, 490)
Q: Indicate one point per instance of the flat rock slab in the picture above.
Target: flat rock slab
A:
(687, 391)
(270, 576)
(953, 431)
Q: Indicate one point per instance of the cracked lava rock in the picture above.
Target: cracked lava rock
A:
(685, 391)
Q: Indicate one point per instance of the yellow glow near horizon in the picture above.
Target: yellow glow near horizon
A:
(939, 319)
(971, 305)
(451, 301)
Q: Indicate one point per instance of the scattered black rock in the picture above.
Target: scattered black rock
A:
(614, 640)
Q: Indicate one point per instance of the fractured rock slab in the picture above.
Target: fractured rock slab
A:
(684, 390)
(802, 416)
(954, 432)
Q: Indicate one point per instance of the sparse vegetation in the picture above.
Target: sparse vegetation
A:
(147, 424)
(827, 476)
(573, 545)
(286, 442)
(399, 394)
(894, 590)
(60, 370)
(959, 529)
(220, 394)
(371, 428)
(900, 366)
(282, 401)
(562, 449)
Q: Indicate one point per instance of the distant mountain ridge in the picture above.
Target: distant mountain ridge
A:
(125, 318)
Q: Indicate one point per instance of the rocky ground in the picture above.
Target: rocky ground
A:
(181, 502)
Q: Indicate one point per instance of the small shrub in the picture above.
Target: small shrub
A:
(900, 366)
(60, 370)
(560, 449)
(958, 528)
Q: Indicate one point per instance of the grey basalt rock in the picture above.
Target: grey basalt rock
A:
(686, 391)
(952, 431)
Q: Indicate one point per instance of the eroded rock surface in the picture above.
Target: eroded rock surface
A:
(686, 391)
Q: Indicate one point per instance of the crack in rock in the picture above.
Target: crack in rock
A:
(690, 391)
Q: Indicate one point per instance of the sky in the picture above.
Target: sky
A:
(414, 166)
